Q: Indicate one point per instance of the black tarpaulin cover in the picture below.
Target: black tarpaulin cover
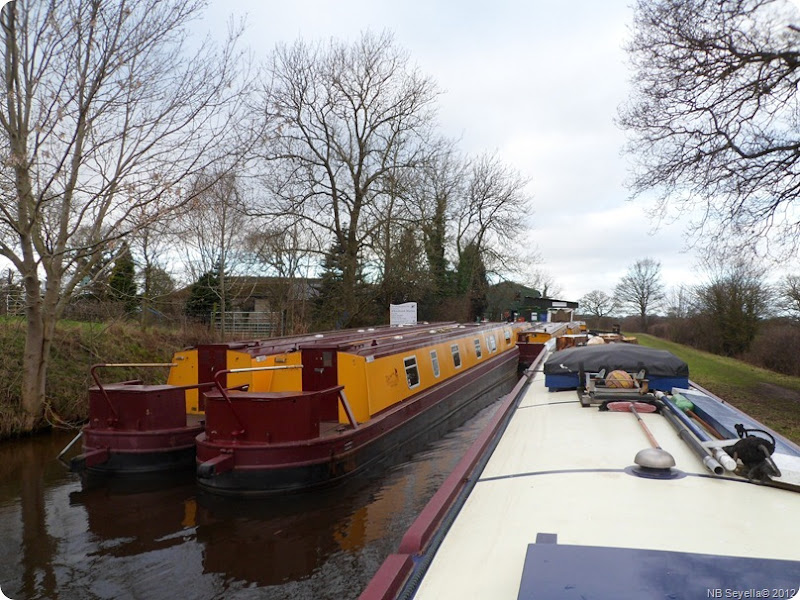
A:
(628, 357)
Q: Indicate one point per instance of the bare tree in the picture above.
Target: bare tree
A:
(597, 304)
(287, 252)
(150, 244)
(285, 248)
(432, 195)
(392, 242)
(491, 214)
(345, 120)
(712, 117)
(640, 290)
(789, 295)
(103, 113)
(678, 301)
(213, 227)
(541, 279)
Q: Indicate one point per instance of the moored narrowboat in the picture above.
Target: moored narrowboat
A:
(135, 428)
(560, 328)
(142, 429)
(360, 403)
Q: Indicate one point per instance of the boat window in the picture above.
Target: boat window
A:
(456, 355)
(478, 351)
(508, 335)
(412, 372)
(435, 363)
(492, 343)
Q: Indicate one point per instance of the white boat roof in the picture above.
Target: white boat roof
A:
(558, 475)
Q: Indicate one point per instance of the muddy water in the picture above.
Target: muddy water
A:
(61, 539)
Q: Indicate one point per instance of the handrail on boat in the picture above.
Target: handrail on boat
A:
(267, 368)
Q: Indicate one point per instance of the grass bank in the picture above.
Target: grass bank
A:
(76, 347)
(770, 397)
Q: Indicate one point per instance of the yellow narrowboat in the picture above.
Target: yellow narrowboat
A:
(355, 403)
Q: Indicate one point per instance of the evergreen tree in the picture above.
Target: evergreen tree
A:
(122, 282)
(471, 281)
(340, 304)
(203, 297)
(328, 305)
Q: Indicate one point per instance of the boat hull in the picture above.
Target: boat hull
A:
(137, 429)
(263, 468)
(136, 453)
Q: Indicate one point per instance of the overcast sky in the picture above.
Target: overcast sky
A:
(537, 81)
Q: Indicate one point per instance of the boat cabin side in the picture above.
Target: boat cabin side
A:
(375, 374)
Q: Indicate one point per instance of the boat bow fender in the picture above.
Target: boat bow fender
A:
(221, 463)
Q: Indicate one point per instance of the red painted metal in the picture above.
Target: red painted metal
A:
(321, 372)
(145, 424)
(265, 417)
(211, 359)
(528, 351)
(136, 407)
(134, 419)
(390, 577)
(253, 452)
(95, 457)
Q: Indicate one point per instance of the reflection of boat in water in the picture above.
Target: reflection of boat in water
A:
(135, 518)
(337, 530)
(611, 489)
(360, 402)
(288, 538)
(247, 542)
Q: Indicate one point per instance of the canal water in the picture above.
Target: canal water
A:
(60, 539)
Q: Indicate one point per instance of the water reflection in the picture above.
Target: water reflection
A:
(128, 521)
(62, 539)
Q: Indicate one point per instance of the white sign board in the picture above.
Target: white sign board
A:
(403, 314)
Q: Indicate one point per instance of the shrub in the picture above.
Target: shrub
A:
(777, 348)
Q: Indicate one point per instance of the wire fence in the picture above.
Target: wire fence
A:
(255, 323)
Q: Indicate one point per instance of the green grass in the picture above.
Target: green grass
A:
(772, 398)
(76, 347)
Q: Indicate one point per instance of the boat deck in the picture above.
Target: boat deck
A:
(557, 513)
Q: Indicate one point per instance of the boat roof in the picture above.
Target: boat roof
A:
(406, 340)
(292, 343)
(558, 512)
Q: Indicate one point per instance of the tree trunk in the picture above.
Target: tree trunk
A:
(223, 305)
(38, 340)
